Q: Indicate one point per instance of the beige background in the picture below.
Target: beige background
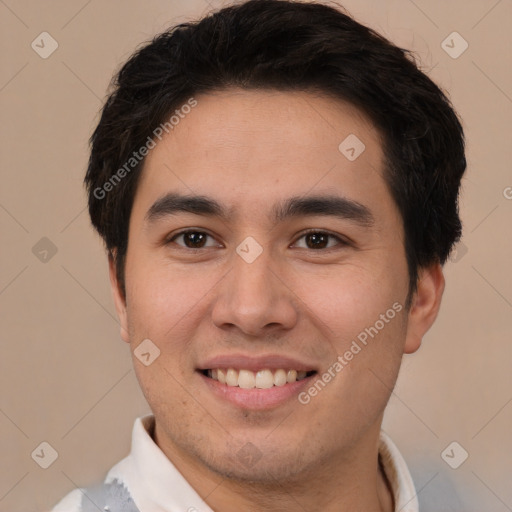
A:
(65, 376)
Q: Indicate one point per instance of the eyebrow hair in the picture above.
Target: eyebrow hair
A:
(296, 206)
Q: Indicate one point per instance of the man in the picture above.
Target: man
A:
(276, 186)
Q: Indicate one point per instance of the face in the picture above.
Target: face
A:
(291, 264)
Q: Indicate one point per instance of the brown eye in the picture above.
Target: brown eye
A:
(191, 239)
(320, 240)
(317, 240)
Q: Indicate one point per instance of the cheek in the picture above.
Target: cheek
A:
(161, 296)
(352, 298)
(165, 305)
(367, 356)
(363, 319)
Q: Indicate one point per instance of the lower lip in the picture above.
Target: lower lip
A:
(256, 398)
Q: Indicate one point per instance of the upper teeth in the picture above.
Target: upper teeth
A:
(248, 379)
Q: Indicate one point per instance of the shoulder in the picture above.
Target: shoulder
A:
(113, 496)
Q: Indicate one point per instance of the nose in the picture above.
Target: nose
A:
(255, 299)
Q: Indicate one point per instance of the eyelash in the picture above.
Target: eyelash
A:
(341, 242)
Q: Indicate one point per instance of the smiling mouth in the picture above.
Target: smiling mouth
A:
(262, 379)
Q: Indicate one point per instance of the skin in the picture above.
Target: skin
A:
(249, 150)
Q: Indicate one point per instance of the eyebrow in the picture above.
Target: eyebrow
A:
(297, 206)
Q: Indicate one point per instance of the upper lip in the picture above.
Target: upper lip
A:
(245, 362)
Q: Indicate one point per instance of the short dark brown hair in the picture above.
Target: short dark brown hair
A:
(285, 45)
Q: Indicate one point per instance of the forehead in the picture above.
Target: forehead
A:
(254, 145)
(247, 118)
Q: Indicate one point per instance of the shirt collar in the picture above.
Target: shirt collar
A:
(156, 484)
(397, 472)
(153, 481)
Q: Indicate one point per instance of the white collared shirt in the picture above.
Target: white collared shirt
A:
(155, 484)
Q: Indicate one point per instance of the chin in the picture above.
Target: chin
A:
(273, 465)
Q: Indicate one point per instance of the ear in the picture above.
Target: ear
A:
(119, 299)
(425, 306)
